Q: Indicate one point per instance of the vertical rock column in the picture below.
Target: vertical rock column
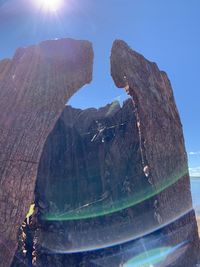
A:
(161, 144)
(34, 87)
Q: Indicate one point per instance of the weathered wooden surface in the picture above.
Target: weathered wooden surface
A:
(152, 153)
(91, 170)
(34, 87)
(162, 141)
(24, 125)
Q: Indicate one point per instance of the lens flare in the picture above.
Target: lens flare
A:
(50, 5)
(164, 255)
(101, 207)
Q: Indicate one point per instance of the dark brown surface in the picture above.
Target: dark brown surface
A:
(91, 164)
(153, 140)
(34, 87)
(162, 140)
(162, 155)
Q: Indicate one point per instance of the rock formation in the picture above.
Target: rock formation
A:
(162, 143)
(106, 177)
(111, 175)
(85, 179)
(34, 87)
(90, 190)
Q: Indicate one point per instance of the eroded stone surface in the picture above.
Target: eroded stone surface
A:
(34, 87)
(78, 149)
(90, 190)
(163, 162)
(162, 141)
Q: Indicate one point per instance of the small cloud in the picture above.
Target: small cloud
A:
(194, 153)
(195, 172)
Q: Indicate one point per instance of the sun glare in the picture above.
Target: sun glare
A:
(50, 5)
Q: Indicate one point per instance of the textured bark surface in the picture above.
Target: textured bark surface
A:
(162, 142)
(91, 163)
(34, 87)
(85, 177)
(152, 146)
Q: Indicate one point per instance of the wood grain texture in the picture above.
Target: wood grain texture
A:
(34, 87)
(162, 141)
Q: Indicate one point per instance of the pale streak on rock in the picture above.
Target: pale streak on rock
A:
(45, 77)
(164, 148)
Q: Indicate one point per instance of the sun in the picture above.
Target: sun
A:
(50, 5)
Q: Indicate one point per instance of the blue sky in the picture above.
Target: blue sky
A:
(167, 32)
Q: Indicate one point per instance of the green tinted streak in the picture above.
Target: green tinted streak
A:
(101, 208)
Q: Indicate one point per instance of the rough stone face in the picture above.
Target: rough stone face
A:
(90, 160)
(85, 157)
(91, 163)
(162, 142)
(86, 153)
(34, 87)
(85, 173)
